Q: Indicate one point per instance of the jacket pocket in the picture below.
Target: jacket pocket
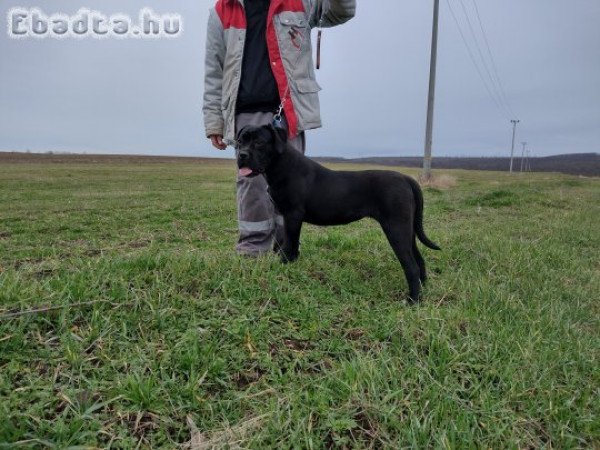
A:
(293, 19)
(307, 86)
(293, 34)
(306, 103)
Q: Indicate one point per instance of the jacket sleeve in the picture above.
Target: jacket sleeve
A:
(213, 76)
(329, 13)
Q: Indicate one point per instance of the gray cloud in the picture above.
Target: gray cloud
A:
(144, 96)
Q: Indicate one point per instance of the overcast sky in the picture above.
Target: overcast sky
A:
(145, 96)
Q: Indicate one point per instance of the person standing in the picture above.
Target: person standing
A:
(258, 63)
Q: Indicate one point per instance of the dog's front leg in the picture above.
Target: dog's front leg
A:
(291, 245)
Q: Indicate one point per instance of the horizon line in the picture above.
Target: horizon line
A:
(151, 155)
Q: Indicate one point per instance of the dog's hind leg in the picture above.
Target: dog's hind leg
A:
(420, 262)
(400, 236)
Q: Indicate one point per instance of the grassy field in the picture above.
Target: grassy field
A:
(189, 346)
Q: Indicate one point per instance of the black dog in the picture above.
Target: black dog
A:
(304, 191)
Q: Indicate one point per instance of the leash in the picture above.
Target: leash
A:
(278, 117)
(320, 27)
(294, 33)
(318, 65)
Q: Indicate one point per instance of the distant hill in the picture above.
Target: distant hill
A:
(587, 164)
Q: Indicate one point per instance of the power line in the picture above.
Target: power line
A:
(493, 84)
(470, 52)
(493, 61)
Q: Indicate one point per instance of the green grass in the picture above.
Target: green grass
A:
(192, 344)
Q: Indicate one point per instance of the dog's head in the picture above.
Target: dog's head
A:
(258, 148)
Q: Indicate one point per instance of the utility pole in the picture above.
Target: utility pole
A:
(524, 144)
(431, 98)
(512, 150)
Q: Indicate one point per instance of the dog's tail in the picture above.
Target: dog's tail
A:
(419, 231)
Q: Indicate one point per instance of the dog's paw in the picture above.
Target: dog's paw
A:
(413, 301)
(287, 258)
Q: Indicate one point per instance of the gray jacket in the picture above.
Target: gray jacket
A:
(290, 52)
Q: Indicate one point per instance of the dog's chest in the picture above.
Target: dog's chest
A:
(281, 199)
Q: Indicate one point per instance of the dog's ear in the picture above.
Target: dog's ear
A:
(279, 137)
(241, 132)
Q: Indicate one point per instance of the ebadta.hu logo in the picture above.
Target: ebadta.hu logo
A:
(34, 23)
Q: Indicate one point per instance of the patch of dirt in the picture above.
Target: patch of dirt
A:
(367, 427)
(139, 244)
(320, 367)
(140, 424)
(365, 434)
(318, 275)
(355, 334)
(44, 273)
(536, 434)
(17, 264)
(231, 437)
(75, 243)
(273, 349)
(247, 377)
(443, 182)
(297, 345)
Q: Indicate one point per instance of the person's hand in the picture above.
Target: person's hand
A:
(217, 142)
